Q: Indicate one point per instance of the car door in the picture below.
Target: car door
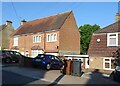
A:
(56, 62)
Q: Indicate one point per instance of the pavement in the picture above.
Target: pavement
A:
(55, 77)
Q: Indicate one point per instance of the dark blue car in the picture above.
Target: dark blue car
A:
(48, 62)
(115, 75)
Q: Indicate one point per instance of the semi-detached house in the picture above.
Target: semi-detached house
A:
(5, 32)
(103, 44)
(57, 35)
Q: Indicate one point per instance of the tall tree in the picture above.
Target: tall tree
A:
(86, 32)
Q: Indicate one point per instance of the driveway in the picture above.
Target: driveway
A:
(55, 77)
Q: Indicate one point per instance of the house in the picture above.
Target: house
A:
(57, 35)
(103, 44)
(5, 31)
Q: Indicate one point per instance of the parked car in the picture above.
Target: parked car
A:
(48, 62)
(8, 56)
(115, 75)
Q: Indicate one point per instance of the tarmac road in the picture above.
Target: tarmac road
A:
(13, 79)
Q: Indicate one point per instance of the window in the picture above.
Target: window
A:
(112, 39)
(36, 39)
(51, 37)
(36, 52)
(15, 41)
(108, 64)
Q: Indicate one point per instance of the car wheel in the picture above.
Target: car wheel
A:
(8, 60)
(48, 66)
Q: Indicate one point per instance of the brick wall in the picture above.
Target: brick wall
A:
(25, 42)
(119, 39)
(100, 48)
(69, 37)
(52, 46)
(5, 33)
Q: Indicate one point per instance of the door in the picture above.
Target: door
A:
(56, 63)
(27, 53)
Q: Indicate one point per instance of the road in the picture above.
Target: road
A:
(13, 74)
(14, 79)
(9, 78)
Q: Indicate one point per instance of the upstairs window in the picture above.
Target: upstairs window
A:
(36, 39)
(112, 39)
(51, 37)
(15, 41)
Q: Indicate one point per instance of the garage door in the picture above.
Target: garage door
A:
(52, 54)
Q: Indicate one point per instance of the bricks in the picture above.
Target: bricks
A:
(68, 36)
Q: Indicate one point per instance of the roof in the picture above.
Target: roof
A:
(15, 48)
(44, 24)
(115, 27)
(36, 47)
(2, 27)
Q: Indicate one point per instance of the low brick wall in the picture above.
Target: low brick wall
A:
(26, 62)
(98, 70)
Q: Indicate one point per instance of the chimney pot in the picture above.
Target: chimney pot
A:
(23, 22)
(8, 22)
(117, 17)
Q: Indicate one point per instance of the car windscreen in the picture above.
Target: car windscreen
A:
(118, 68)
(40, 56)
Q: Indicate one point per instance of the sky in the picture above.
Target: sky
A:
(100, 13)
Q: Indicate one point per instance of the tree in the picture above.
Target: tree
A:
(86, 32)
(116, 55)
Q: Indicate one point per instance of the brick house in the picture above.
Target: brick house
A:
(5, 31)
(103, 43)
(57, 35)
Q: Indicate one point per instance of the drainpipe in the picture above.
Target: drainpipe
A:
(44, 42)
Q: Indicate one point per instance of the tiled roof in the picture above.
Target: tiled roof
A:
(36, 48)
(115, 27)
(44, 24)
(15, 48)
(2, 27)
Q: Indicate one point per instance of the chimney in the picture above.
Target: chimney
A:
(8, 22)
(117, 17)
(23, 22)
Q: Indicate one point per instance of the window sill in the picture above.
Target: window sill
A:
(113, 46)
(51, 41)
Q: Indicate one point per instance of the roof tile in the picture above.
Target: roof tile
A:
(44, 24)
(115, 27)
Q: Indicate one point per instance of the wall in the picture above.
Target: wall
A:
(119, 39)
(52, 46)
(6, 32)
(96, 63)
(69, 37)
(25, 42)
(100, 48)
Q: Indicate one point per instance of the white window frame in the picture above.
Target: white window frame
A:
(52, 37)
(37, 39)
(107, 62)
(15, 41)
(34, 53)
(108, 39)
